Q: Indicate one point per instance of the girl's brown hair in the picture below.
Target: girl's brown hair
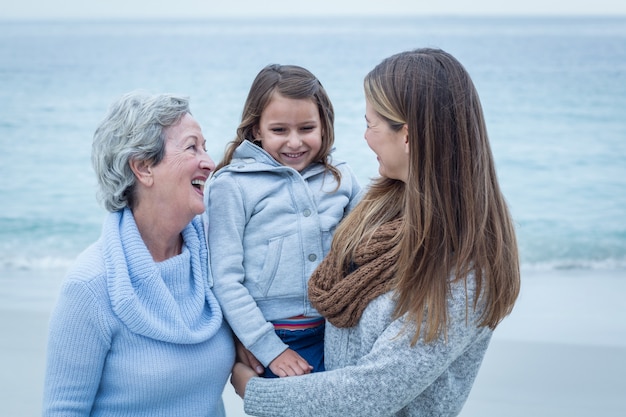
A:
(293, 82)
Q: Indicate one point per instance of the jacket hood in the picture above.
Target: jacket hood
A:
(249, 157)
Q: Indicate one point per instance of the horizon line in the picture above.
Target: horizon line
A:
(314, 16)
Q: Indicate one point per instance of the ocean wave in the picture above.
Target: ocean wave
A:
(41, 263)
(38, 263)
(575, 264)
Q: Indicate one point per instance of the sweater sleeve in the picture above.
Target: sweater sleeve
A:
(226, 226)
(388, 378)
(77, 346)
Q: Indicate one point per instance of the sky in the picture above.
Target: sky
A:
(96, 9)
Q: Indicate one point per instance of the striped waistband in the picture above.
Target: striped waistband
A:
(298, 323)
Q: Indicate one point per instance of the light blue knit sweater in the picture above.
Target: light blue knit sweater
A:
(131, 337)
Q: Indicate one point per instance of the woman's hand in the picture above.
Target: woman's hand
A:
(247, 358)
(240, 376)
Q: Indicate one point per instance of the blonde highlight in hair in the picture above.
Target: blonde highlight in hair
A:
(456, 221)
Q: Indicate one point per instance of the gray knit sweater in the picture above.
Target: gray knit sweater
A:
(373, 371)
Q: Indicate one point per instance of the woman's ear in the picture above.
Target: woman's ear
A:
(142, 170)
(405, 133)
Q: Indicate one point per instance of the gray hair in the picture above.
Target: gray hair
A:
(133, 129)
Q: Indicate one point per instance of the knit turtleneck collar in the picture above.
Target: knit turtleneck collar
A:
(139, 291)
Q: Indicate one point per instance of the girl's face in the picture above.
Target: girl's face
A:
(290, 130)
(391, 147)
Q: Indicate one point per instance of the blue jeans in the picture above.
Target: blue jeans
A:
(309, 343)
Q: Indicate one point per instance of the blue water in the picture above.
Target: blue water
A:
(553, 91)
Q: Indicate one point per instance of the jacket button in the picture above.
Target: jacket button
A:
(306, 212)
(312, 257)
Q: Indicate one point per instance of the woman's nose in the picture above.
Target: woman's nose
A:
(207, 162)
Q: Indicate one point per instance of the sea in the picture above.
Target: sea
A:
(553, 90)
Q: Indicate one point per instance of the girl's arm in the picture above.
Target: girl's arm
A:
(226, 218)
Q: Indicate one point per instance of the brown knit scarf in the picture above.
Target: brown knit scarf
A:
(342, 298)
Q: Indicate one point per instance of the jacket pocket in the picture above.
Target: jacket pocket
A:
(281, 275)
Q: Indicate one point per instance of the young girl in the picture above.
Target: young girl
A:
(272, 208)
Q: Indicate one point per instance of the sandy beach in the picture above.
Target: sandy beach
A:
(561, 353)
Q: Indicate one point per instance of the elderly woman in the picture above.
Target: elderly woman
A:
(137, 330)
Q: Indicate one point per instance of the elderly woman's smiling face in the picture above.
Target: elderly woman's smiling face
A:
(180, 177)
